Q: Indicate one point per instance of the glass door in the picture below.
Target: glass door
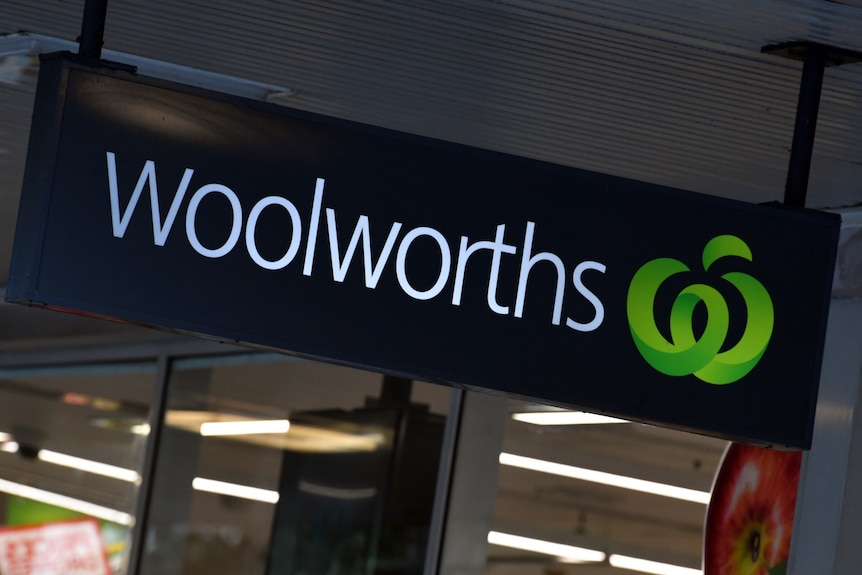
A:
(273, 465)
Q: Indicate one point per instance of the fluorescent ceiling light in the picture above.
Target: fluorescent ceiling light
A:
(572, 554)
(235, 490)
(568, 552)
(89, 466)
(30, 44)
(79, 463)
(337, 492)
(248, 427)
(564, 418)
(654, 567)
(70, 503)
(621, 481)
(136, 425)
(323, 437)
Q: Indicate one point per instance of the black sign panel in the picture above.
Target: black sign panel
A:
(160, 204)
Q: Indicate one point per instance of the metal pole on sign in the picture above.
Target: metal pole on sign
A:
(815, 57)
(92, 28)
(802, 149)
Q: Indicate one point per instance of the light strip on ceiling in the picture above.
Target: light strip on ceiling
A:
(337, 492)
(65, 502)
(25, 43)
(235, 490)
(564, 418)
(568, 552)
(653, 567)
(79, 463)
(572, 554)
(611, 479)
(89, 466)
(247, 427)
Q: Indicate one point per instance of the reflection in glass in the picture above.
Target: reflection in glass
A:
(270, 465)
(72, 441)
(583, 495)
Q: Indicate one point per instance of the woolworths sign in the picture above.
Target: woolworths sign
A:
(197, 212)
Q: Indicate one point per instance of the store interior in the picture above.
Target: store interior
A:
(562, 481)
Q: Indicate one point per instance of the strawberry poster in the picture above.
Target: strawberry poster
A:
(750, 517)
(61, 548)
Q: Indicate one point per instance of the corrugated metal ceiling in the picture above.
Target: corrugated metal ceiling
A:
(675, 93)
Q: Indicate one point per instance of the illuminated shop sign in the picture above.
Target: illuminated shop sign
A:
(155, 203)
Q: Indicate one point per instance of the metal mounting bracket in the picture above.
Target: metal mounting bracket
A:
(816, 58)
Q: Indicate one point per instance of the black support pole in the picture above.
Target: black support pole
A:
(395, 390)
(93, 28)
(815, 57)
(807, 107)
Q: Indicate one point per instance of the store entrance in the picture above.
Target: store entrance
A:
(273, 465)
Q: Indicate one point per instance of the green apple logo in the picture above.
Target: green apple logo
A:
(686, 354)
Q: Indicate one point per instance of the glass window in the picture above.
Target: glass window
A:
(613, 492)
(72, 444)
(269, 464)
